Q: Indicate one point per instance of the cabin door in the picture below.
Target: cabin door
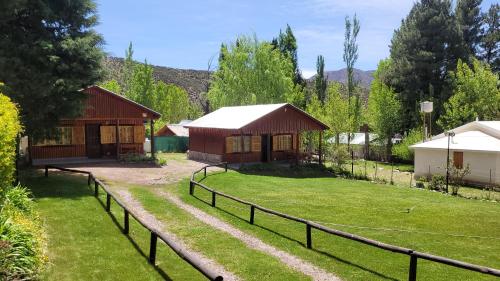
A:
(265, 148)
(92, 141)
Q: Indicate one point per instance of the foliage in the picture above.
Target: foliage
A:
(423, 50)
(476, 95)
(48, 52)
(402, 150)
(437, 183)
(490, 37)
(420, 183)
(287, 44)
(111, 85)
(172, 102)
(21, 239)
(253, 72)
(9, 131)
(320, 81)
(338, 154)
(457, 175)
(469, 19)
(128, 68)
(142, 85)
(350, 57)
(383, 107)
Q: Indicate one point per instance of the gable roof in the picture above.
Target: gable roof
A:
(237, 117)
(176, 129)
(155, 114)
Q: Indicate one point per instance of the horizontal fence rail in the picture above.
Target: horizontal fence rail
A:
(414, 255)
(155, 234)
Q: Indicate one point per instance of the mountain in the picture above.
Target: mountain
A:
(363, 77)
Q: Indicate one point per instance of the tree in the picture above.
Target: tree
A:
(350, 57)
(383, 107)
(112, 85)
(253, 72)
(48, 52)
(287, 44)
(320, 80)
(142, 85)
(128, 68)
(172, 102)
(490, 37)
(423, 50)
(9, 131)
(475, 95)
(402, 150)
(469, 19)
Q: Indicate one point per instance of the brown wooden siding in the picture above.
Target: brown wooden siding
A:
(58, 151)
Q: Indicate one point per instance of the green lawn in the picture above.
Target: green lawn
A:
(84, 242)
(362, 208)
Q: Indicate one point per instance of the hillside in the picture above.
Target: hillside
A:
(363, 77)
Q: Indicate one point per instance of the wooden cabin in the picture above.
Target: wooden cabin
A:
(254, 133)
(111, 125)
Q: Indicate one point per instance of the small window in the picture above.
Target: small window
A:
(234, 144)
(126, 134)
(282, 142)
(63, 136)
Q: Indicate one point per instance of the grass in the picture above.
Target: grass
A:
(179, 157)
(86, 243)
(236, 257)
(361, 208)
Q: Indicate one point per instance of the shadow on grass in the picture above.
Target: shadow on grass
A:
(284, 236)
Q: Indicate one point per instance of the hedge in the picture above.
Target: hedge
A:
(9, 130)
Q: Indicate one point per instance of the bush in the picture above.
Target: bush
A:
(420, 182)
(338, 154)
(402, 150)
(437, 183)
(9, 130)
(21, 237)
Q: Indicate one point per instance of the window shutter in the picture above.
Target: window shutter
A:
(78, 135)
(229, 144)
(108, 134)
(275, 143)
(294, 145)
(256, 145)
(139, 134)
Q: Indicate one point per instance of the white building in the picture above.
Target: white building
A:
(476, 144)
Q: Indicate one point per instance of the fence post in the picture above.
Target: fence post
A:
(352, 163)
(308, 236)
(191, 187)
(96, 189)
(412, 276)
(125, 222)
(46, 171)
(89, 179)
(205, 171)
(411, 177)
(392, 172)
(225, 166)
(152, 248)
(108, 202)
(252, 213)
(376, 168)
(213, 199)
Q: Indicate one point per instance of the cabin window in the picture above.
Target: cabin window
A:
(126, 134)
(282, 142)
(63, 136)
(458, 159)
(234, 144)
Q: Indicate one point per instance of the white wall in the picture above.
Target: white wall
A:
(480, 164)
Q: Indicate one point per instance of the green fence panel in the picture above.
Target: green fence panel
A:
(171, 144)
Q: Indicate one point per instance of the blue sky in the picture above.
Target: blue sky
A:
(185, 34)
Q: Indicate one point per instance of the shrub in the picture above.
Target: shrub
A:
(9, 130)
(437, 183)
(457, 176)
(420, 182)
(402, 150)
(21, 237)
(338, 154)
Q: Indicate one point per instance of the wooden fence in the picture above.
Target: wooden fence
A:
(155, 234)
(413, 254)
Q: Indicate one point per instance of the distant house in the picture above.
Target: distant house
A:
(111, 125)
(476, 143)
(254, 133)
(177, 130)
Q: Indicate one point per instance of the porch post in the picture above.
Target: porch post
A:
(297, 144)
(241, 148)
(152, 135)
(320, 148)
(117, 139)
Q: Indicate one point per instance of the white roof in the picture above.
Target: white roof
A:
(470, 140)
(491, 128)
(234, 117)
(356, 138)
(179, 130)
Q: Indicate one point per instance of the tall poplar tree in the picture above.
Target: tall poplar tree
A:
(49, 50)
(320, 80)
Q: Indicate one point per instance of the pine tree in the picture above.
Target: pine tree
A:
(287, 44)
(320, 79)
(469, 19)
(490, 37)
(48, 52)
(423, 51)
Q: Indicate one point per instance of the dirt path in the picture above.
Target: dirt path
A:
(253, 242)
(154, 223)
